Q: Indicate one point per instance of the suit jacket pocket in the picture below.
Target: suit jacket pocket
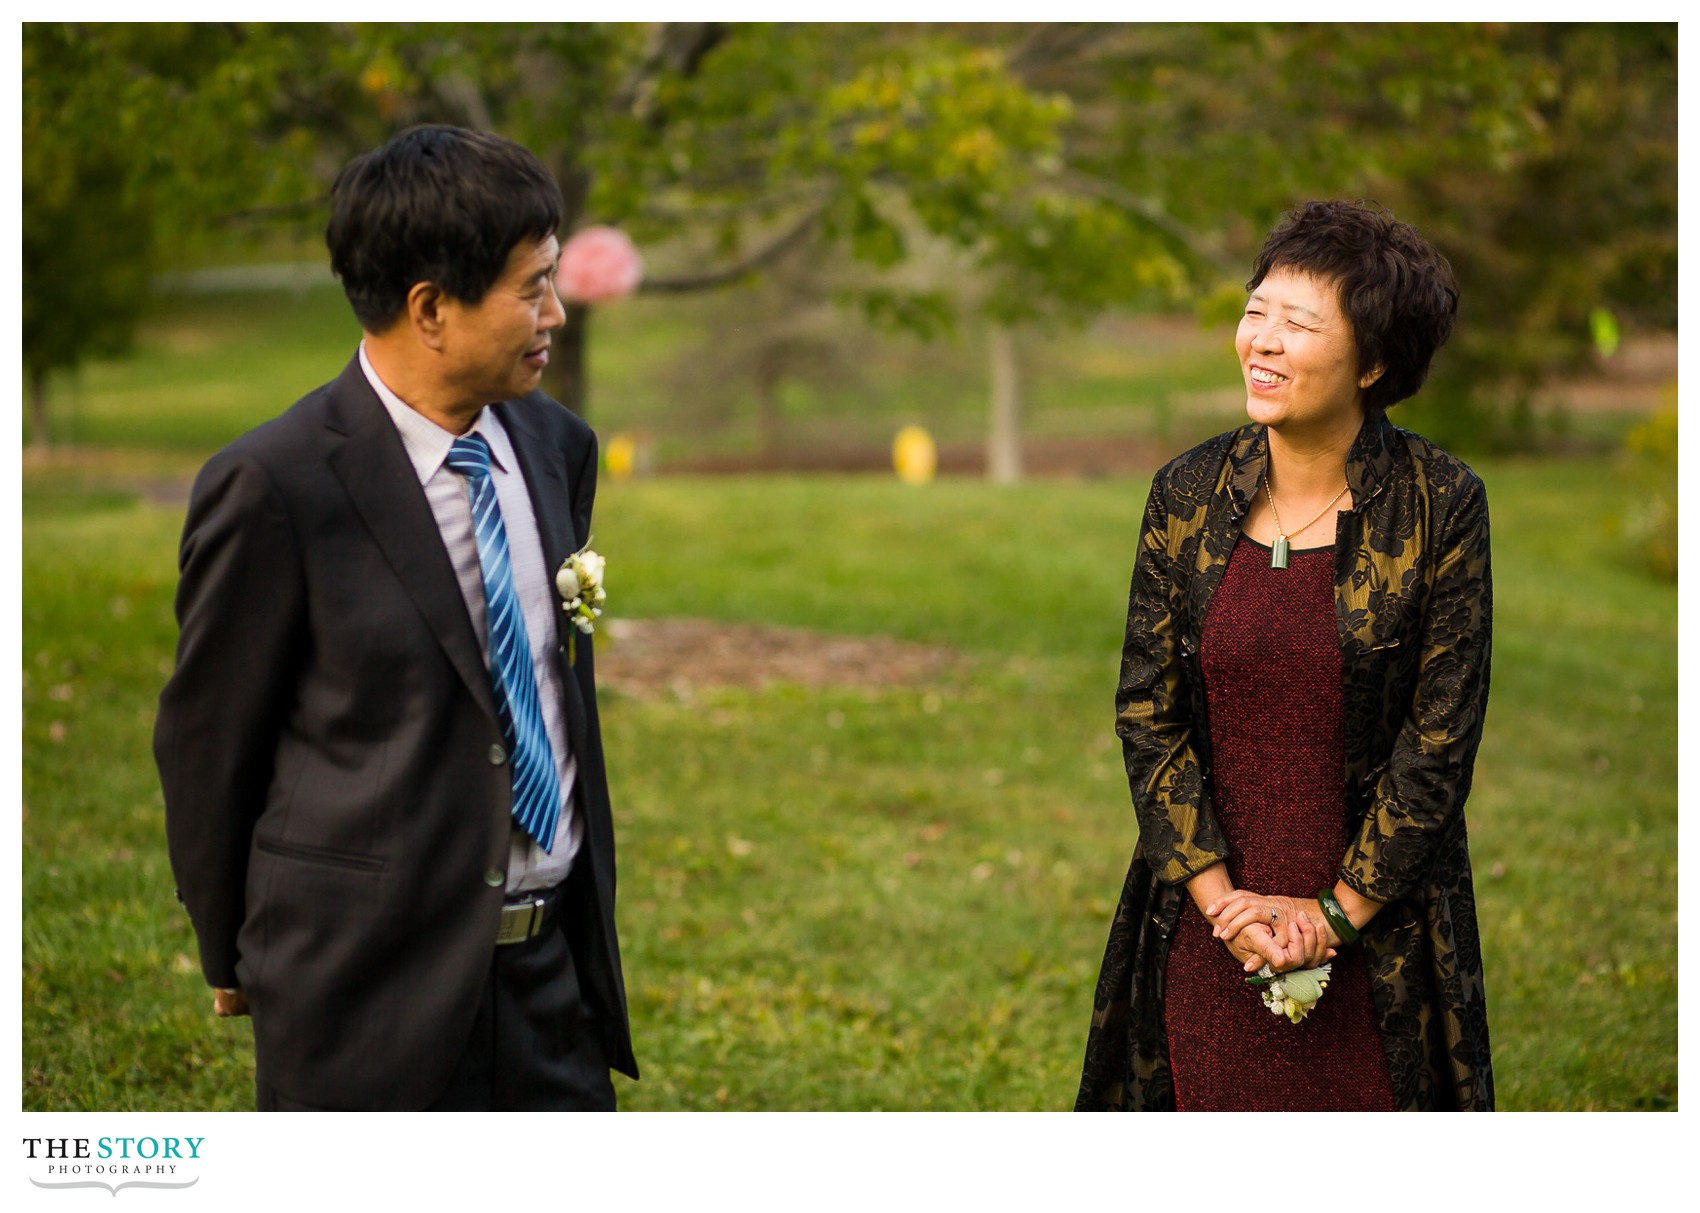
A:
(321, 855)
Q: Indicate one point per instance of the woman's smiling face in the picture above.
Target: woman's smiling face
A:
(1299, 357)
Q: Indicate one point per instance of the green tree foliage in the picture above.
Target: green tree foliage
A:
(87, 237)
(733, 144)
(127, 154)
(1540, 158)
(1584, 223)
(86, 256)
(1207, 133)
(1029, 172)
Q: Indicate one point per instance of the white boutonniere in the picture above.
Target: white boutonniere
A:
(1293, 994)
(579, 580)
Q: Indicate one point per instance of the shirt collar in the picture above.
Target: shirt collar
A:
(427, 443)
(1368, 462)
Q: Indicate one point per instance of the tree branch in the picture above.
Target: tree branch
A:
(675, 46)
(1052, 43)
(711, 211)
(460, 92)
(740, 269)
(1197, 243)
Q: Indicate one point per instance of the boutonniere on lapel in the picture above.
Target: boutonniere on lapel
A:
(579, 580)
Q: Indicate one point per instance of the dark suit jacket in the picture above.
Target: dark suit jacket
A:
(338, 820)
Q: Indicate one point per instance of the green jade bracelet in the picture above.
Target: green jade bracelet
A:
(1336, 916)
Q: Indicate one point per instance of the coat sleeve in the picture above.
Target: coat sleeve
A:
(1419, 797)
(1178, 833)
(241, 623)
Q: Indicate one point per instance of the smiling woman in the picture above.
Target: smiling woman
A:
(1296, 353)
(1300, 723)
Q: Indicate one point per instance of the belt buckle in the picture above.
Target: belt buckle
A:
(520, 922)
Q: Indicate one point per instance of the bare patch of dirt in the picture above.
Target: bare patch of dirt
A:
(652, 658)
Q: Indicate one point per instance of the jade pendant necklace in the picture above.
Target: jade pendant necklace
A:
(1278, 552)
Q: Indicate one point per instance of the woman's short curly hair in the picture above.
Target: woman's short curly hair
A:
(1396, 288)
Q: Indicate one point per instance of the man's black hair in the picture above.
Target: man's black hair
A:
(436, 204)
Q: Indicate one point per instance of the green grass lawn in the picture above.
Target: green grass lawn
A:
(838, 898)
(835, 897)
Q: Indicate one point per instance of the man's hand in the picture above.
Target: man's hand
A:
(227, 1003)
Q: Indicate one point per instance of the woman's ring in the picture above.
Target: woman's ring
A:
(1273, 915)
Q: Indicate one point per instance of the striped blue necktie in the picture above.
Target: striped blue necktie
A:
(537, 793)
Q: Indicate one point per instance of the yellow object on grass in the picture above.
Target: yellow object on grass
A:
(914, 455)
(620, 455)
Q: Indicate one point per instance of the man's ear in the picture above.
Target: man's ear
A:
(426, 307)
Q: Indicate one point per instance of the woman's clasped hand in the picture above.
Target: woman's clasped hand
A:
(1283, 932)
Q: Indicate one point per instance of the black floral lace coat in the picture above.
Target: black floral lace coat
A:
(1413, 601)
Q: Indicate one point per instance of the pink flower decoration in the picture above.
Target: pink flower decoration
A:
(598, 264)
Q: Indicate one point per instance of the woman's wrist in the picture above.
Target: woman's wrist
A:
(1357, 908)
(1210, 885)
(1339, 924)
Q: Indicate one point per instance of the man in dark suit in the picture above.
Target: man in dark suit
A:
(385, 798)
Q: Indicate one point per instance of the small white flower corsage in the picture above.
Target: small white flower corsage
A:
(1293, 994)
(579, 580)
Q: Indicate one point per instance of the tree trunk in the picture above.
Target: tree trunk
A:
(1003, 444)
(565, 378)
(40, 436)
(770, 423)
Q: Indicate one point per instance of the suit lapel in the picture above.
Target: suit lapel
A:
(1237, 481)
(375, 472)
(544, 466)
(545, 469)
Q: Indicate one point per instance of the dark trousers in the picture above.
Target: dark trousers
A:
(536, 1044)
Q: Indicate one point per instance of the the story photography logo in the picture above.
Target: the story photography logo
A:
(113, 1162)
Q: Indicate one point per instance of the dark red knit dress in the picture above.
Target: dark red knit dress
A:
(1271, 657)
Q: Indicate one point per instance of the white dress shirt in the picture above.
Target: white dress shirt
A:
(427, 445)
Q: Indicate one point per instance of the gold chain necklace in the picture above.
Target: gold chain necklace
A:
(1278, 553)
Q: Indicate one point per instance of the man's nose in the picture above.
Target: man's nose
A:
(554, 314)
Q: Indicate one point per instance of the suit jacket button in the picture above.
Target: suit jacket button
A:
(494, 877)
(497, 755)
